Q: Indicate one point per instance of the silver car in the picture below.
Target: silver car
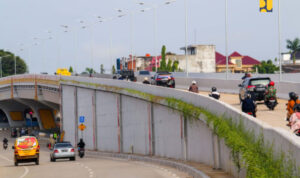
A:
(63, 150)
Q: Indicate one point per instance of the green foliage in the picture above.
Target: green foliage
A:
(175, 66)
(102, 70)
(90, 70)
(8, 64)
(71, 69)
(266, 67)
(163, 63)
(169, 65)
(248, 151)
(293, 46)
(113, 69)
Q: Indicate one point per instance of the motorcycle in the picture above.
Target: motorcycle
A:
(271, 103)
(81, 152)
(5, 146)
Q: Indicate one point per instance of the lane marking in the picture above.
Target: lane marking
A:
(25, 173)
(26, 169)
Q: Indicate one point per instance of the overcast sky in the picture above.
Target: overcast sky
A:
(250, 32)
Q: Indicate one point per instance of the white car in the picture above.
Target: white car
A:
(63, 150)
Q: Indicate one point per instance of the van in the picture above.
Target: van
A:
(27, 149)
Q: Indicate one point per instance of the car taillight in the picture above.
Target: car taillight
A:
(72, 150)
(55, 151)
(158, 79)
(16, 151)
(172, 78)
(251, 87)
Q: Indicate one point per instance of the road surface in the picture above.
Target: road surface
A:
(274, 118)
(87, 167)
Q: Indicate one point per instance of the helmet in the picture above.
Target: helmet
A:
(297, 108)
(248, 75)
(293, 95)
(81, 140)
(249, 95)
(213, 89)
(194, 82)
(146, 78)
(271, 83)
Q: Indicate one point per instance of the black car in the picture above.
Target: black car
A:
(126, 75)
(256, 86)
(163, 79)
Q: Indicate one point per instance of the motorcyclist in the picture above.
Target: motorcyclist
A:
(247, 75)
(194, 87)
(146, 81)
(295, 120)
(248, 105)
(81, 144)
(270, 92)
(5, 141)
(214, 93)
(291, 104)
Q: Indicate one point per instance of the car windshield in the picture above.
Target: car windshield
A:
(62, 145)
(260, 81)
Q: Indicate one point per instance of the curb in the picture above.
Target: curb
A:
(179, 166)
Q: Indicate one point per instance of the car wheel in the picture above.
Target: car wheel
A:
(37, 161)
(72, 159)
(16, 163)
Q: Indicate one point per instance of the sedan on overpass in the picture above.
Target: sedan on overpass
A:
(63, 150)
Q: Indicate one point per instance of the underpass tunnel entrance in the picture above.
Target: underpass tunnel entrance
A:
(3, 117)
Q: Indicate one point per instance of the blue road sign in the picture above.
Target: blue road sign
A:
(81, 119)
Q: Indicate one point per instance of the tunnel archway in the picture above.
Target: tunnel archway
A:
(3, 117)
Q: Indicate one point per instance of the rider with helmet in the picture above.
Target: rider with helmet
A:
(270, 92)
(194, 87)
(248, 105)
(146, 81)
(295, 120)
(247, 75)
(214, 93)
(291, 104)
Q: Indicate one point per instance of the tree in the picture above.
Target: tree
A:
(113, 69)
(266, 67)
(71, 69)
(163, 63)
(294, 47)
(90, 70)
(175, 66)
(102, 70)
(8, 64)
(169, 66)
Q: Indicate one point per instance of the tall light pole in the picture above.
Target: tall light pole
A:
(186, 29)
(226, 38)
(154, 7)
(279, 44)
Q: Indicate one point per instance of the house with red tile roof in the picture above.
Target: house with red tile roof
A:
(237, 63)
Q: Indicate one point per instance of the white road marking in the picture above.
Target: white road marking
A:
(25, 173)
(26, 169)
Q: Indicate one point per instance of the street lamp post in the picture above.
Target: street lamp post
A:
(154, 7)
(226, 38)
(186, 29)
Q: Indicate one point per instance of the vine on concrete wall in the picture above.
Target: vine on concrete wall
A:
(248, 152)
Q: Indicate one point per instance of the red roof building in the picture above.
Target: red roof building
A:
(237, 63)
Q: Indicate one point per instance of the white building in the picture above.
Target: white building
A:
(200, 58)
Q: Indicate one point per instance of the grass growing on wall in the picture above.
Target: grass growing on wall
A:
(248, 152)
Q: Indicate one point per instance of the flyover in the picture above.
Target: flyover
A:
(131, 118)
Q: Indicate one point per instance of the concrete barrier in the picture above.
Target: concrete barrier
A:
(123, 122)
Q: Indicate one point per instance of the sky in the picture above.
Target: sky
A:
(28, 25)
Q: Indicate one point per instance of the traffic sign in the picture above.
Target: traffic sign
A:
(81, 119)
(82, 127)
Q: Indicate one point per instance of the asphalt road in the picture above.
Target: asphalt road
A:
(87, 167)
(274, 118)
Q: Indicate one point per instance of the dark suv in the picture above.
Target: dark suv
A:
(256, 86)
(163, 79)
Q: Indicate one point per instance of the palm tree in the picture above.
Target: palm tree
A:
(294, 46)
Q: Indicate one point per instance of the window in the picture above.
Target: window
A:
(239, 63)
